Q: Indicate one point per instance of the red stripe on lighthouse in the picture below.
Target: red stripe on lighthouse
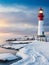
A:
(40, 15)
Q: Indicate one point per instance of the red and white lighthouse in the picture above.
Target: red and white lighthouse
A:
(41, 36)
(40, 22)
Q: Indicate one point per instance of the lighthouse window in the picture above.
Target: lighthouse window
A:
(40, 11)
(43, 32)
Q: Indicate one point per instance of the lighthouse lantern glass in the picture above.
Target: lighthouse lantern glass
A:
(40, 11)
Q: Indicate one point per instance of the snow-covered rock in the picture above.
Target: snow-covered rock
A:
(17, 46)
(21, 42)
(36, 53)
(7, 57)
(6, 46)
(14, 46)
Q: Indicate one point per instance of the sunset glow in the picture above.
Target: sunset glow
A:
(3, 23)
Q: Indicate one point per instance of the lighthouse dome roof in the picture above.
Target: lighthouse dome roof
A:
(40, 9)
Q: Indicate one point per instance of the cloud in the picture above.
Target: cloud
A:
(18, 14)
(9, 9)
(19, 19)
(16, 8)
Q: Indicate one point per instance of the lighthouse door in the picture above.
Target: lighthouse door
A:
(43, 33)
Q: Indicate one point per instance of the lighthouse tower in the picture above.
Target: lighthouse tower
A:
(41, 35)
(40, 22)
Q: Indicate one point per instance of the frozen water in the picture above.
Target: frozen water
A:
(7, 56)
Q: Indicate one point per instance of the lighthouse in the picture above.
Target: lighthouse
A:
(41, 36)
(40, 22)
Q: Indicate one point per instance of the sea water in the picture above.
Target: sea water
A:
(2, 50)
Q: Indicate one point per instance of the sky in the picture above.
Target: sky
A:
(20, 17)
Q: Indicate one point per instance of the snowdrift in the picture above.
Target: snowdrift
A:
(36, 53)
(7, 57)
(13, 46)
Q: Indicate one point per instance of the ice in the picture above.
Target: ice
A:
(7, 46)
(15, 42)
(36, 53)
(14, 46)
(7, 56)
(21, 54)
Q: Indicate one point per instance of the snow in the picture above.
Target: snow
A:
(14, 46)
(36, 53)
(6, 46)
(7, 56)
(15, 42)
(21, 54)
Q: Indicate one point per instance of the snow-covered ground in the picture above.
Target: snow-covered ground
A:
(36, 53)
(21, 42)
(7, 57)
(14, 46)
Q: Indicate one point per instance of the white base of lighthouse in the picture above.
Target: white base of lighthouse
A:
(41, 36)
(40, 28)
